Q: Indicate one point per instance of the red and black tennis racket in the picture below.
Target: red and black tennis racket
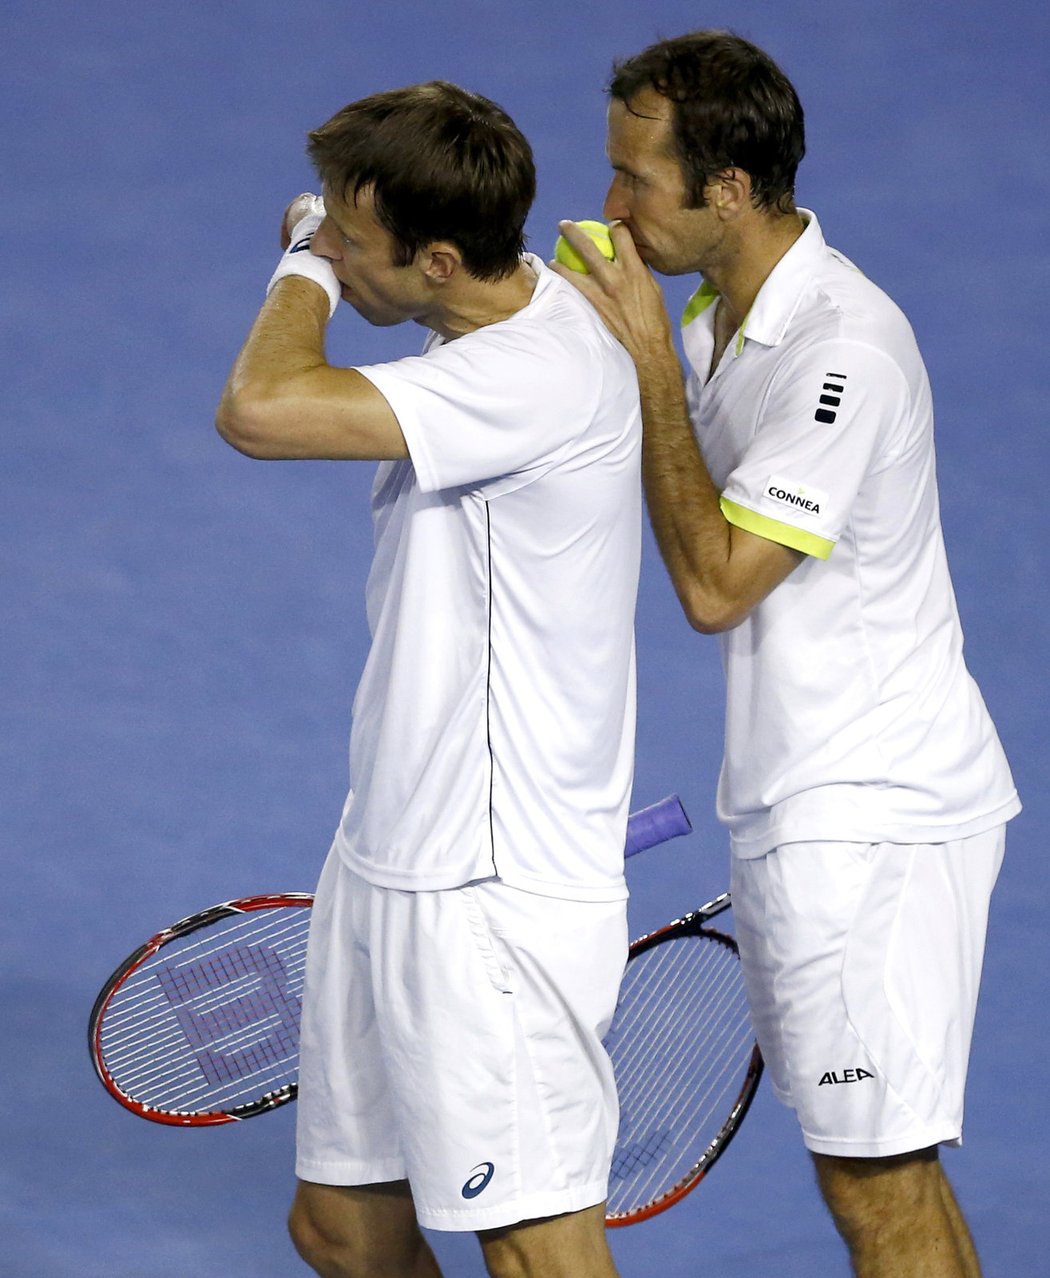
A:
(200, 1025)
(686, 1062)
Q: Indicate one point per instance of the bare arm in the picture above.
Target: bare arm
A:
(283, 400)
(719, 571)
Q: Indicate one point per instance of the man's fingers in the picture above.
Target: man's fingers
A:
(584, 284)
(585, 246)
(302, 206)
(610, 274)
(623, 244)
(623, 291)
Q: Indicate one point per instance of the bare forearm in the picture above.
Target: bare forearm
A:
(719, 571)
(284, 401)
(288, 336)
(285, 344)
(692, 533)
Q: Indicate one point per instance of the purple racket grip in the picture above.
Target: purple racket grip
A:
(656, 824)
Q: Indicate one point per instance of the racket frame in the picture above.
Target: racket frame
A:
(184, 927)
(657, 823)
(662, 821)
(694, 924)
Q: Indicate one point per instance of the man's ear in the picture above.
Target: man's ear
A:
(441, 260)
(729, 192)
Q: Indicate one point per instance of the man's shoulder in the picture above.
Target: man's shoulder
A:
(844, 297)
(844, 308)
(564, 329)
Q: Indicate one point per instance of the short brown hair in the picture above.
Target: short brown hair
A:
(442, 164)
(732, 108)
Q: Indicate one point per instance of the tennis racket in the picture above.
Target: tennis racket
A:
(686, 1062)
(200, 1025)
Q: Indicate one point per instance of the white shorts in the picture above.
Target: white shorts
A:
(862, 964)
(453, 1039)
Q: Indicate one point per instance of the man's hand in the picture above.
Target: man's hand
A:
(623, 292)
(302, 206)
(282, 398)
(720, 572)
(298, 223)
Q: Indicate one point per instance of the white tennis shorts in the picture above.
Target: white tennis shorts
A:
(862, 964)
(453, 1039)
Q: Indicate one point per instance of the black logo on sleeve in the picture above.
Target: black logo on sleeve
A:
(833, 388)
(844, 1076)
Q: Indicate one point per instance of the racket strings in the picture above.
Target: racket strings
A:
(150, 992)
(211, 1019)
(146, 995)
(710, 983)
(681, 1047)
(723, 1023)
(210, 1081)
(265, 926)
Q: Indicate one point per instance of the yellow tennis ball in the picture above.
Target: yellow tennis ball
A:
(567, 255)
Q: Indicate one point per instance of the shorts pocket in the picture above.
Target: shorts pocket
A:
(496, 969)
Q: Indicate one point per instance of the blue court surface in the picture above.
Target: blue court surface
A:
(183, 628)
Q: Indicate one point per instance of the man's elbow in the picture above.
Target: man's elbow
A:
(719, 597)
(243, 424)
(711, 614)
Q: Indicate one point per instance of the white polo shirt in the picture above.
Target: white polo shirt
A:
(493, 727)
(850, 712)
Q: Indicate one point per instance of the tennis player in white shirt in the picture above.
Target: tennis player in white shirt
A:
(469, 932)
(791, 485)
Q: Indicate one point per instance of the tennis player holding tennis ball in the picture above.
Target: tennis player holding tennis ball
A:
(791, 485)
(469, 931)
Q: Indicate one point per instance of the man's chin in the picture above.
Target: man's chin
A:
(378, 319)
(661, 266)
(652, 258)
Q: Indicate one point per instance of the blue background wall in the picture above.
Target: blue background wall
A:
(182, 628)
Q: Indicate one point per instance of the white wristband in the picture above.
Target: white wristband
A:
(298, 260)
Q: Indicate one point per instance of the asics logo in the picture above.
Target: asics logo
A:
(478, 1180)
(301, 246)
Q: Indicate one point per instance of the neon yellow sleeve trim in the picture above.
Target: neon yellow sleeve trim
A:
(774, 530)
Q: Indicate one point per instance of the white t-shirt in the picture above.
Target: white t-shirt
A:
(850, 712)
(493, 727)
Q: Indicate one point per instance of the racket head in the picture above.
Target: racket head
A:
(200, 1025)
(686, 1063)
